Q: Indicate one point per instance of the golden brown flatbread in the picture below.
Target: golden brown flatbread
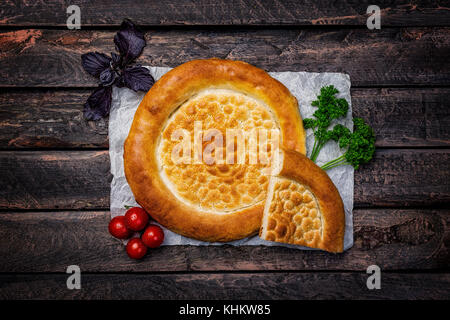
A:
(209, 202)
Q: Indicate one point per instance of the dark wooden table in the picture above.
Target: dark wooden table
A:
(54, 165)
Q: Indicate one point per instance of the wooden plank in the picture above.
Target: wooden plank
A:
(50, 241)
(48, 119)
(404, 178)
(413, 56)
(226, 286)
(55, 180)
(231, 12)
(407, 117)
(80, 179)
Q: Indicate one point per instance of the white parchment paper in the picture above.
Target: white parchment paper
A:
(305, 86)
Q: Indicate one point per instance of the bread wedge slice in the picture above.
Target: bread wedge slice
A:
(303, 206)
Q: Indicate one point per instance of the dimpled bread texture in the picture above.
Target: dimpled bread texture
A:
(293, 215)
(218, 187)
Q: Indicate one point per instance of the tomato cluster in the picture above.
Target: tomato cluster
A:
(136, 219)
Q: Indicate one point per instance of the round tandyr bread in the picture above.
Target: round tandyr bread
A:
(217, 201)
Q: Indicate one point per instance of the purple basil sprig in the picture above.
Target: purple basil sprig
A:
(116, 70)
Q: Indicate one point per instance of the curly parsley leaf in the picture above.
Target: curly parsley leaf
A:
(329, 108)
(360, 146)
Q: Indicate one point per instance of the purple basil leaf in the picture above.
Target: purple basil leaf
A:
(136, 78)
(129, 42)
(115, 60)
(98, 104)
(95, 62)
(107, 77)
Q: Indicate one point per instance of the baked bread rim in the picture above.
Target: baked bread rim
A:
(166, 95)
(296, 168)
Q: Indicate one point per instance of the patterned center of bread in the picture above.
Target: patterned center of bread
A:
(217, 187)
(293, 214)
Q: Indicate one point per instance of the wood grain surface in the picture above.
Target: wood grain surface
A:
(225, 286)
(81, 179)
(393, 239)
(386, 57)
(231, 12)
(54, 119)
(49, 119)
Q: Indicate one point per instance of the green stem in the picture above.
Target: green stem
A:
(336, 165)
(314, 147)
(315, 144)
(333, 161)
(313, 156)
(332, 165)
(318, 148)
(316, 151)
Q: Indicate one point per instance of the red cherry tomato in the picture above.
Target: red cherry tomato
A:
(136, 219)
(136, 249)
(117, 227)
(153, 236)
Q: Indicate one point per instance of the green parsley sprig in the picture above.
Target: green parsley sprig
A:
(328, 108)
(360, 146)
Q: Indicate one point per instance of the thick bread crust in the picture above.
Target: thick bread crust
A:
(167, 94)
(298, 167)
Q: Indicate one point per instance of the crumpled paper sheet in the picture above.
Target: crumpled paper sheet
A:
(305, 86)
